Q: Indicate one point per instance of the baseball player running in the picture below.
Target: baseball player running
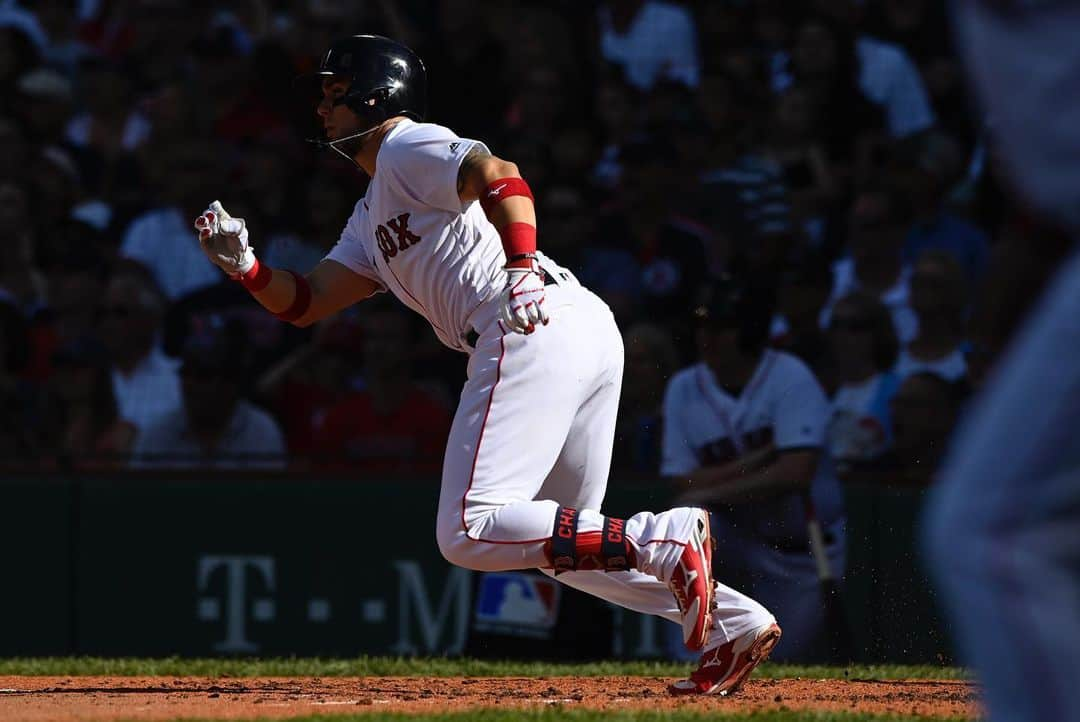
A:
(450, 230)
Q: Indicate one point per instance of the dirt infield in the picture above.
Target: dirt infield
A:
(45, 699)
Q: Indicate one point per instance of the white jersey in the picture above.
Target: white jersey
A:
(412, 235)
(783, 404)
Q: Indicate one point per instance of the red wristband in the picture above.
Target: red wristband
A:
(499, 190)
(519, 239)
(301, 301)
(256, 278)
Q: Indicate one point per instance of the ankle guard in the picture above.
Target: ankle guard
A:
(608, 550)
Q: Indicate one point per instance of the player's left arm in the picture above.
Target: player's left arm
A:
(508, 203)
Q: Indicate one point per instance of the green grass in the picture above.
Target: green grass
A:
(429, 667)
(557, 715)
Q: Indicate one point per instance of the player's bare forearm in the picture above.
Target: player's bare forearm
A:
(478, 169)
(333, 287)
(790, 471)
(279, 293)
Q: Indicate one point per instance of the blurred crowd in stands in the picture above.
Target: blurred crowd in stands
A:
(826, 149)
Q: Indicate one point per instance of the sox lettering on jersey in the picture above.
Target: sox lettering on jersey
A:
(405, 238)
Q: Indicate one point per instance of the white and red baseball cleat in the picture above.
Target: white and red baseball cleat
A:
(724, 669)
(692, 583)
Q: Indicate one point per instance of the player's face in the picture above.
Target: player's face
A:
(338, 121)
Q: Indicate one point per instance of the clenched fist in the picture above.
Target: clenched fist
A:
(224, 240)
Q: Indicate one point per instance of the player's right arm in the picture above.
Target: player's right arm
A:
(297, 299)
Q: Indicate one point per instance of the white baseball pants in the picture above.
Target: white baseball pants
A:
(534, 430)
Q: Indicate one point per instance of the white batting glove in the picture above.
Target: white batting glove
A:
(224, 240)
(523, 300)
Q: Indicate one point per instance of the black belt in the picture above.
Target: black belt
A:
(472, 336)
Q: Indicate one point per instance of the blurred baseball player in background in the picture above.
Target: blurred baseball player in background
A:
(743, 434)
(450, 230)
(1003, 529)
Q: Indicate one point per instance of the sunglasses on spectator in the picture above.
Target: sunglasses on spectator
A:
(857, 324)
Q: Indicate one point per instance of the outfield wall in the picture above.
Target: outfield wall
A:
(203, 565)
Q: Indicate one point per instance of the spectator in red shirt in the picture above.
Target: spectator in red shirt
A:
(393, 423)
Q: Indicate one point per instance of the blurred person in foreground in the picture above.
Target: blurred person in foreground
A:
(214, 428)
(1003, 529)
(744, 433)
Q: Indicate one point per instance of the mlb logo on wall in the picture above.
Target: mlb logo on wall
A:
(517, 603)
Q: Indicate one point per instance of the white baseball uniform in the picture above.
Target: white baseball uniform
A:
(765, 542)
(535, 425)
